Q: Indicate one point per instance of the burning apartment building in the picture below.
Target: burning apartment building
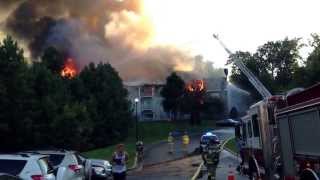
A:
(150, 101)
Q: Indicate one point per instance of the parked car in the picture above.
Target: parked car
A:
(72, 166)
(26, 166)
(204, 140)
(227, 122)
(5, 176)
(101, 169)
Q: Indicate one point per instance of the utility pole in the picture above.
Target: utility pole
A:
(136, 100)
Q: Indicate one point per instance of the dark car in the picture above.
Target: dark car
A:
(227, 122)
(206, 138)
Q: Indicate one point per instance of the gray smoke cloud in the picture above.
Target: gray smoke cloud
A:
(95, 31)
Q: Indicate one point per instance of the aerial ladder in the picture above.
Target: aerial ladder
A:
(251, 77)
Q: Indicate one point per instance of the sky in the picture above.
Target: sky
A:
(241, 24)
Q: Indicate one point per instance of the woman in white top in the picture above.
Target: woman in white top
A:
(119, 161)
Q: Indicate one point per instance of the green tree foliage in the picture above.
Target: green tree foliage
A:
(172, 93)
(309, 74)
(274, 63)
(39, 108)
(107, 103)
(53, 59)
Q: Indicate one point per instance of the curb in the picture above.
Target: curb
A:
(195, 176)
(134, 166)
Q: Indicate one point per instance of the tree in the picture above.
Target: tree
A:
(193, 100)
(172, 93)
(274, 64)
(233, 113)
(107, 104)
(53, 59)
(15, 96)
(309, 75)
(213, 107)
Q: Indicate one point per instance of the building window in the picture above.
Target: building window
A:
(146, 103)
(147, 115)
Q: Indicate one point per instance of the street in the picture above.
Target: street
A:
(159, 165)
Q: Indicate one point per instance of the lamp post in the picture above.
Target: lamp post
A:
(136, 100)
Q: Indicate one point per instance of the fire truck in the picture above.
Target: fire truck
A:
(282, 132)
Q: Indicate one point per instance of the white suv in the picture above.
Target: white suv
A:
(26, 166)
(70, 167)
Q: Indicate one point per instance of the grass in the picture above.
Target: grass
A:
(231, 145)
(149, 132)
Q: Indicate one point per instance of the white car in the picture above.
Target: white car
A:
(26, 166)
(71, 167)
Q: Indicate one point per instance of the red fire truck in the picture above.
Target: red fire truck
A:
(283, 133)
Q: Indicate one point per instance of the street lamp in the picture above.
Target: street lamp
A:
(136, 100)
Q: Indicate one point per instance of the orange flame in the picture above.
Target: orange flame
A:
(196, 86)
(69, 69)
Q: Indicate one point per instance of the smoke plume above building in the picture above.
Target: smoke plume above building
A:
(114, 31)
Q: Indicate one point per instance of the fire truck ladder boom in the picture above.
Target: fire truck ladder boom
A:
(252, 78)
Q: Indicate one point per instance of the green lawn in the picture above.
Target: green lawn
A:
(149, 132)
(231, 145)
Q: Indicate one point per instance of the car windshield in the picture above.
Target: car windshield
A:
(13, 167)
(56, 159)
(45, 166)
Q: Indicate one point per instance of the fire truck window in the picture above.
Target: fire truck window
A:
(249, 129)
(244, 132)
(255, 124)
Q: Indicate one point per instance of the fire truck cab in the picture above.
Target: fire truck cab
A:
(283, 134)
(255, 131)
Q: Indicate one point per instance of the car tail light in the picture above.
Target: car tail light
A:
(37, 177)
(74, 167)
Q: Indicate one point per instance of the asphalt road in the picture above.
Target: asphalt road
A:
(160, 165)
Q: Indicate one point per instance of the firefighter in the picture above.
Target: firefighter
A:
(170, 143)
(211, 158)
(139, 150)
(185, 141)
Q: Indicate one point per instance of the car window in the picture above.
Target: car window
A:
(13, 167)
(244, 131)
(80, 159)
(249, 129)
(45, 166)
(56, 159)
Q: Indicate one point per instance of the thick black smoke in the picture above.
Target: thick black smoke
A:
(112, 31)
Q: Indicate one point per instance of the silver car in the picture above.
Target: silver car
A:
(27, 166)
(100, 169)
